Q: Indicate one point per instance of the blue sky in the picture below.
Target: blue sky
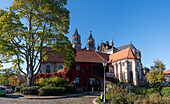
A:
(144, 22)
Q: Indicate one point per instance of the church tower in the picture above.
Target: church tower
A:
(91, 43)
(76, 41)
(111, 43)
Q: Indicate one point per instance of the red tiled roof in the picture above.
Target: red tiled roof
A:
(53, 58)
(90, 56)
(167, 71)
(124, 54)
(84, 55)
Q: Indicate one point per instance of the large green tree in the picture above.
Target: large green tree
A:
(29, 26)
(5, 74)
(156, 75)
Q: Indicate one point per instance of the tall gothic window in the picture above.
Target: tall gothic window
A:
(130, 65)
(48, 69)
(131, 76)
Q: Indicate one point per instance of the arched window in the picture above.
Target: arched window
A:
(48, 69)
(60, 67)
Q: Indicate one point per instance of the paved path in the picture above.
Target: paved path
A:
(85, 99)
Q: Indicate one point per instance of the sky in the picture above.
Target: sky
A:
(145, 23)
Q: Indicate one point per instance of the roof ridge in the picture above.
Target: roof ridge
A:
(128, 52)
(99, 55)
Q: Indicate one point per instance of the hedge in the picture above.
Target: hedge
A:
(30, 90)
(48, 90)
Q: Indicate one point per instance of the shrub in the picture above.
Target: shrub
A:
(165, 91)
(23, 84)
(48, 90)
(113, 80)
(52, 81)
(117, 95)
(98, 99)
(71, 89)
(30, 90)
(148, 91)
(119, 100)
(18, 89)
(60, 71)
(155, 98)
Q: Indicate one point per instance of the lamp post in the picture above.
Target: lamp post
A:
(104, 65)
(16, 79)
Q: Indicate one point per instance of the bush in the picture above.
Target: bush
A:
(48, 90)
(18, 89)
(52, 81)
(155, 98)
(60, 71)
(30, 90)
(165, 91)
(148, 91)
(113, 80)
(98, 99)
(119, 100)
(23, 84)
(71, 89)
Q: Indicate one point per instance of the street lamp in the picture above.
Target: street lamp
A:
(104, 65)
(16, 79)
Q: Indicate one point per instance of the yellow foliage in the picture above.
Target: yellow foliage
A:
(13, 80)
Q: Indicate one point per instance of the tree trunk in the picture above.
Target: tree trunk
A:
(30, 81)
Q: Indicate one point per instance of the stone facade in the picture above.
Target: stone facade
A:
(128, 70)
(51, 67)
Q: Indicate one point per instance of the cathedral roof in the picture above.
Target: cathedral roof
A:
(126, 46)
(91, 56)
(84, 55)
(124, 54)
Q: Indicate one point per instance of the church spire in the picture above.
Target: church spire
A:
(76, 32)
(111, 42)
(90, 37)
(91, 43)
(76, 40)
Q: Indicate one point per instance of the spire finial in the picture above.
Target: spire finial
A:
(90, 37)
(76, 32)
(111, 42)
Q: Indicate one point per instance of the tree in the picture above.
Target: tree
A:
(5, 74)
(159, 65)
(16, 79)
(29, 26)
(156, 75)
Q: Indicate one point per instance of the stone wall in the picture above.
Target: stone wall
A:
(122, 70)
(54, 67)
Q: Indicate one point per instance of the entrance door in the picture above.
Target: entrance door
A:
(94, 84)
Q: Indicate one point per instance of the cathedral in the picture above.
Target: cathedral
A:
(76, 41)
(124, 62)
